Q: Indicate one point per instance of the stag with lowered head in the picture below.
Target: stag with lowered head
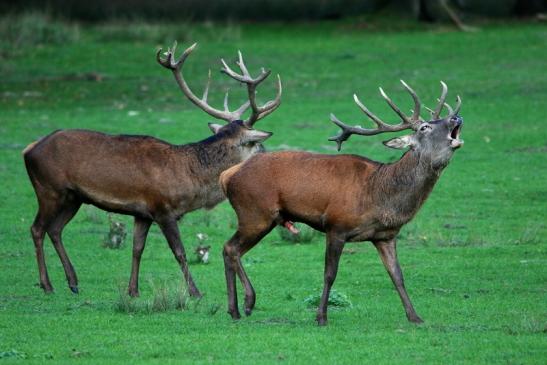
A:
(142, 176)
(349, 197)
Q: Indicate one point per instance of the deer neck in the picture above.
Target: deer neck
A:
(198, 168)
(402, 187)
(214, 155)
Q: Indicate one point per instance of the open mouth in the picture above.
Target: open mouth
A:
(455, 141)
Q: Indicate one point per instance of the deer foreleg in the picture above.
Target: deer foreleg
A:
(388, 254)
(333, 252)
(171, 231)
(140, 231)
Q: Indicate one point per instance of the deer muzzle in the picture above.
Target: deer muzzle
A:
(455, 141)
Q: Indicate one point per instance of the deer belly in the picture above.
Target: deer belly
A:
(373, 235)
(125, 203)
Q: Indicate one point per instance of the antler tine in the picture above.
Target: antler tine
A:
(456, 110)
(369, 114)
(227, 70)
(458, 106)
(169, 62)
(226, 109)
(243, 108)
(417, 104)
(271, 105)
(450, 110)
(394, 107)
(437, 113)
(168, 56)
(206, 91)
(259, 112)
(344, 134)
(242, 66)
(246, 77)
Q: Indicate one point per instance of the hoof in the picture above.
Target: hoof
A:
(249, 305)
(194, 293)
(235, 315)
(133, 293)
(321, 321)
(74, 289)
(48, 289)
(416, 320)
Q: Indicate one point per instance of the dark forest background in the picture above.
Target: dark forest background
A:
(256, 10)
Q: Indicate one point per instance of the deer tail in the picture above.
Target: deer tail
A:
(33, 144)
(29, 147)
(226, 175)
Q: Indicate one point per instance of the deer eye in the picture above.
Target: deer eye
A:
(425, 127)
(249, 144)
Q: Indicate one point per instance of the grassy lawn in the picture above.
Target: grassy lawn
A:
(474, 258)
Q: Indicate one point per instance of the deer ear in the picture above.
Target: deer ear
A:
(215, 127)
(399, 142)
(254, 135)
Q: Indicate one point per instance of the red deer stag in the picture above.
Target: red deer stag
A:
(349, 197)
(142, 176)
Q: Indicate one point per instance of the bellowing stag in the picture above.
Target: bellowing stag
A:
(350, 198)
(142, 176)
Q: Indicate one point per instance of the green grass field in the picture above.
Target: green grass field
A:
(474, 258)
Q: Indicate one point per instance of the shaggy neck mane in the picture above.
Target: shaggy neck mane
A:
(402, 187)
(212, 155)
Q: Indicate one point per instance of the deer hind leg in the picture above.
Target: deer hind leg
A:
(333, 251)
(171, 232)
(47, 209)
(242, 241)
(140, 231)
(246, 244)
(38, 231)
(230, 267)
(65, 212)
(50, 215)
(388, 254)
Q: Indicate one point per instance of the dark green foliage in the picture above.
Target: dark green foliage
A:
(12, 354)
(337, 300)
(435, 10)
(164, 298)
(198, 10)
(33, 28)
(488, 7)
(259, 10)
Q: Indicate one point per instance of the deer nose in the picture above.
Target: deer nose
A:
(457, 120)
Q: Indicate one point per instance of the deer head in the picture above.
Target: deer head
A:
(245, 138)
(435, 140)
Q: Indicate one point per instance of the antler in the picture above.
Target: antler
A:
(257, 112)
(411, 122)
(456, 110)
(436, 114)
